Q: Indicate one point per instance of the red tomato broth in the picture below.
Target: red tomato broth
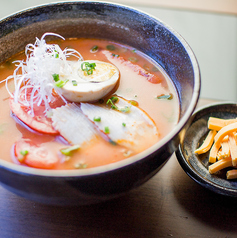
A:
(165, 113)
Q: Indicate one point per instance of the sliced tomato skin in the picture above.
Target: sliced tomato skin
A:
(37, 156)
(39, 122)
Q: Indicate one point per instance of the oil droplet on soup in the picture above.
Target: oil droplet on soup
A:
(143, 91)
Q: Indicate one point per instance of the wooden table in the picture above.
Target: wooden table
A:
(169, 205)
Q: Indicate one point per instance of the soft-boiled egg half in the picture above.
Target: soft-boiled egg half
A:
(89, 80)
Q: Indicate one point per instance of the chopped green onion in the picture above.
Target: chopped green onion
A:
(110, 47)
(127, 153)
(68, 151)
(146, 67)
(88, 67)
(98, 119)
(61, 83)
(106, 130)
(56, 77)
(115, 55)
(165, 96)
(125, 109)
(94, 49)
(57, 54)
(133, 102)
(24, 152)
(124, 124)
(74, 82)
(154, 69)
(80, 166)
(111, 101)
(134, 50)
(133, 59)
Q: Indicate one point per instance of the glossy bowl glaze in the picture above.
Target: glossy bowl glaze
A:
(118, 23)
(196, 166)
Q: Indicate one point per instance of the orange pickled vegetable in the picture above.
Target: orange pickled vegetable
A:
(207, 143)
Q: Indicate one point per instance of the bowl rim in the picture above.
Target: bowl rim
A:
(136, 158)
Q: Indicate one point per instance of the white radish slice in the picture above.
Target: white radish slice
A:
(134, 129)
(73, 125)
(84, 87)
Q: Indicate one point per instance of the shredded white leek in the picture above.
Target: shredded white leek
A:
(35, 74)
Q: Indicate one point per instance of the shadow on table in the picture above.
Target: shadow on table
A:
(133, 215)
(210, 208)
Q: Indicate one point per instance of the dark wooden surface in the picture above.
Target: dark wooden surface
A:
(169, 205)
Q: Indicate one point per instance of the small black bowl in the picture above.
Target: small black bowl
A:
(196, 166)
(117, 23)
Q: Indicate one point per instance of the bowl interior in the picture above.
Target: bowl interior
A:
(107, 21)
(112, 22)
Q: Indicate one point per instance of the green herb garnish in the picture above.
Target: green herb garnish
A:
(68, 151)
(88, 67)
(115, 55)
(133, 59)
(124, 124)
(61, 83)
(110, 47)
(74, 82)
(98, 119)
(56, 54)
(56, 77)
(106, 130)
(133, 102)
(80, 166)
(94, 48)
(24, 152)
(125, 109)
(165, 96)
(112, 101)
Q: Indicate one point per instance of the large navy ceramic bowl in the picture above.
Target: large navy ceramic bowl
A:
(118, 23)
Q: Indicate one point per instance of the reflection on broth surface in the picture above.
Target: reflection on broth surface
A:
(106, 104)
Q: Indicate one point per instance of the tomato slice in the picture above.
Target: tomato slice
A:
(27, 152)
(39, 122)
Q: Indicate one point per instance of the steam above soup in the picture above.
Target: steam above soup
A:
(71, 110)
